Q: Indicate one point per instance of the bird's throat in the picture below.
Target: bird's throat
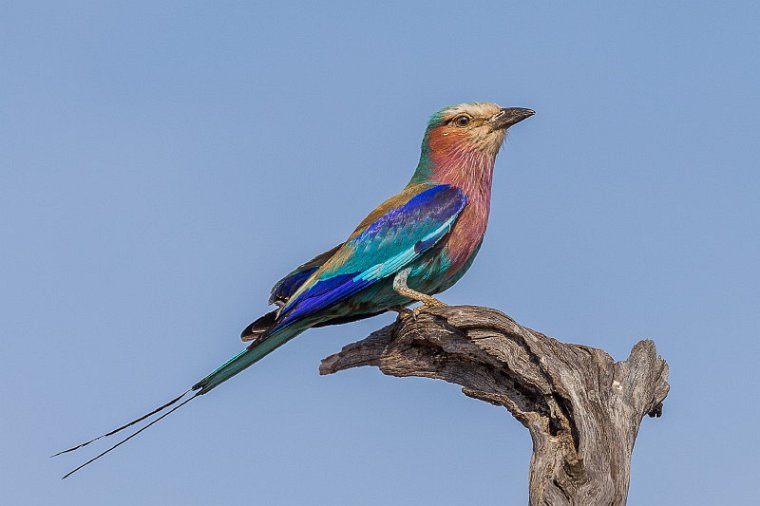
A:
(472, 172)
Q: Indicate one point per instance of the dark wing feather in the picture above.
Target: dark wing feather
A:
(285, 287)
(381, 250)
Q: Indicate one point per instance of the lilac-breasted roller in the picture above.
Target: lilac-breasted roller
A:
(412, 246)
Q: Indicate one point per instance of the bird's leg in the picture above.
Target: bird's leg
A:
(401, 288)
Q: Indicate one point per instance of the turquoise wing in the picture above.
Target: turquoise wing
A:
(382, 249)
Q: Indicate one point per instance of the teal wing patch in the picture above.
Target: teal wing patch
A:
(385, 247)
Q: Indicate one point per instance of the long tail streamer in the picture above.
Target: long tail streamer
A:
(127, 425)
(175, 408)
(227, 370)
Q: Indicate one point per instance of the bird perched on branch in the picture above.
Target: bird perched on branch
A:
(412, 246)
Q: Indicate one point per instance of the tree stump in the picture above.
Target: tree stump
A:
(583, 409)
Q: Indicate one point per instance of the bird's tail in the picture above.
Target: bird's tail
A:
(246, 358)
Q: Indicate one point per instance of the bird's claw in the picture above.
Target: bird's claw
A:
(400, 286)
(404, 313)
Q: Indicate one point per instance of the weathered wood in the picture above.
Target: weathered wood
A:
(583, 409)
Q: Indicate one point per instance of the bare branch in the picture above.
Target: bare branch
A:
(583, 409)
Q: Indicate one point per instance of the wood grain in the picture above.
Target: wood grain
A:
(583, 409)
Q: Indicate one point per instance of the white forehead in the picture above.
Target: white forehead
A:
(474, 109)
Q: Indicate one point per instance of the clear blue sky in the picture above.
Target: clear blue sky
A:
(163, 163)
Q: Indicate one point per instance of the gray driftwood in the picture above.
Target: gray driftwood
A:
(583, 409)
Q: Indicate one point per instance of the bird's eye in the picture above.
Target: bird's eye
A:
(462, 120)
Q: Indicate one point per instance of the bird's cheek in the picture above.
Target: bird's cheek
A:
(498, 137)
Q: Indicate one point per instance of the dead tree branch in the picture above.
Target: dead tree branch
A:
(583, 409)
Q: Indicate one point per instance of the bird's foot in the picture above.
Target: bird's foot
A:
(400, 286)
(404, 313)
(428, 303)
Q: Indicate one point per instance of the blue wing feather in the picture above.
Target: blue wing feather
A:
(288, 285)
(394, 240)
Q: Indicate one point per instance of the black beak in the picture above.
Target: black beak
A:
(510, 116)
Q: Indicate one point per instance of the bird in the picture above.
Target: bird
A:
(413, 246)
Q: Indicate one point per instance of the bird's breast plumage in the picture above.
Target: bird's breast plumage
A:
(466, 235)
(472, 173)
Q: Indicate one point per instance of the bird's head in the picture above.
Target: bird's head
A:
(477, 128)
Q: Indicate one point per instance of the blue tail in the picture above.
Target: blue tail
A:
(245, 359)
